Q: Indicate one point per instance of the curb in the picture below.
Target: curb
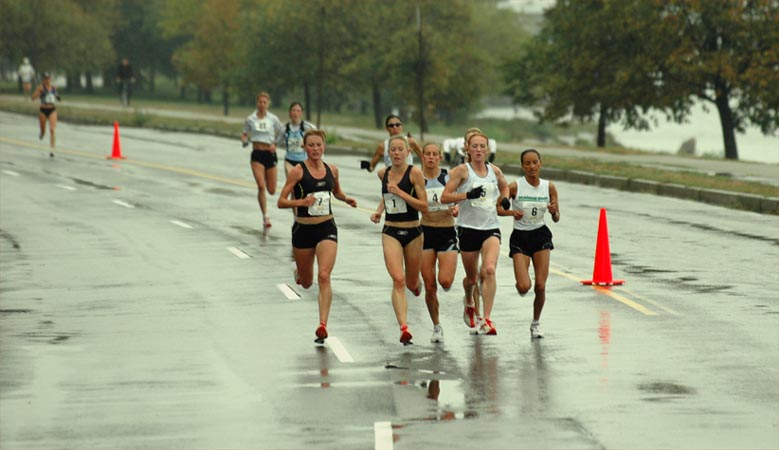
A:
(727, 199)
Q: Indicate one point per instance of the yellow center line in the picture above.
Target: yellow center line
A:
(605, 290)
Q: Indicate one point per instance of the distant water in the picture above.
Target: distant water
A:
(668, 136)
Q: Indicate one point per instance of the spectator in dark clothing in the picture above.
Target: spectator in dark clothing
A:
(125, 80)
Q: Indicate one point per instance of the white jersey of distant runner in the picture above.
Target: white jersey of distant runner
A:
(388, 161)
(533, 201)
(26, 72)
(479, 213)
(262, 130)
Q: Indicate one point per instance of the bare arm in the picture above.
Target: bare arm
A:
(295, 175)
(338, 192)
(377, 156)
(553, 207)
(37, 92)
(456, 178)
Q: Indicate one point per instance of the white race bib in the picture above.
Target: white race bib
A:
(434, 199)
(394, 204)
(487, 199)
(533, 212)
(295, 145)
(321, 206)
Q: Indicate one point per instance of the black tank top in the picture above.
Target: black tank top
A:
(308, 185)
(406, 186)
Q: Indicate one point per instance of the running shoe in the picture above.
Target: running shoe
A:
(405, 336)
(438, 334)
(469, 313)
(486, 326)
(321, 334)
(535, 332)
(51, 154)
(266, 223)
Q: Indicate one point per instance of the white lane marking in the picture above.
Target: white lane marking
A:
(382, 435)
(125, 204)
(11, 172)
(181, 224)
(66, 187)
(339, 349)
(288, 291)
(237, 252)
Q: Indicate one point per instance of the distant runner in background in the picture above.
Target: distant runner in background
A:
(48, 95)
(125, 78)
(261, 129)
(394, 127)
(291, 137)
(26, 75)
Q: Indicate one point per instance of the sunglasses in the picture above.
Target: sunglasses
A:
(394, 125)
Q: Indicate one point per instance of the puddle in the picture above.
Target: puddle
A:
(91, 184)
(665, 389)
(15, 311)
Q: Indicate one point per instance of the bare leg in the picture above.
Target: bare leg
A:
(393, 259)
(541, 269)
(431, 287)
(325, 255)
(258, 170)
(489, 250)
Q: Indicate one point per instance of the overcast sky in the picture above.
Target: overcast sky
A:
(529, 6)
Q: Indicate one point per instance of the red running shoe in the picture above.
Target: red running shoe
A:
(321, 334)
(405, 336)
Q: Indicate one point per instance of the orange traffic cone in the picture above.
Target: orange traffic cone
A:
(117, 151)
(601, 273)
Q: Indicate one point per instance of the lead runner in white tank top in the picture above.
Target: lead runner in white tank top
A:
(478, 187)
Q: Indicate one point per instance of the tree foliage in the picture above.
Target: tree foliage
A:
(635, 56)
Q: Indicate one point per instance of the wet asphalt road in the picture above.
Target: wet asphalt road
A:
(141, 307)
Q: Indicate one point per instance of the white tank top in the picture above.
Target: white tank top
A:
(479, 213)
(388, 161)
(533, 201)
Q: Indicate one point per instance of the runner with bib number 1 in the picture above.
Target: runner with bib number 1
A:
(404, 197)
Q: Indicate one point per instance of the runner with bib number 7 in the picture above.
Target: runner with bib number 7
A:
(311, 184)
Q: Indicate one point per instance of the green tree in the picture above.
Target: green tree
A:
(725, 53)
(589, 62)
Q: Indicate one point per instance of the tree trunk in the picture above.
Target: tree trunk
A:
(90, 86)
(726, 121)
(321, 75)
(152, 75)
(225, 101)
(74, 81)
(307, 98)
(377, 119)
(601, 139)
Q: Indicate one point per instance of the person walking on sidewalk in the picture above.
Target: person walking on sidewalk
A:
(261, 129)
(481, 189)
(531, 240)
(48, 95)
(125, 78)
(403, 192)
(309, 189)
(440, 237)
(394, 127)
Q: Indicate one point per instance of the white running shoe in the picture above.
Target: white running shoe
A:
(438, 334)
(535, 332)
